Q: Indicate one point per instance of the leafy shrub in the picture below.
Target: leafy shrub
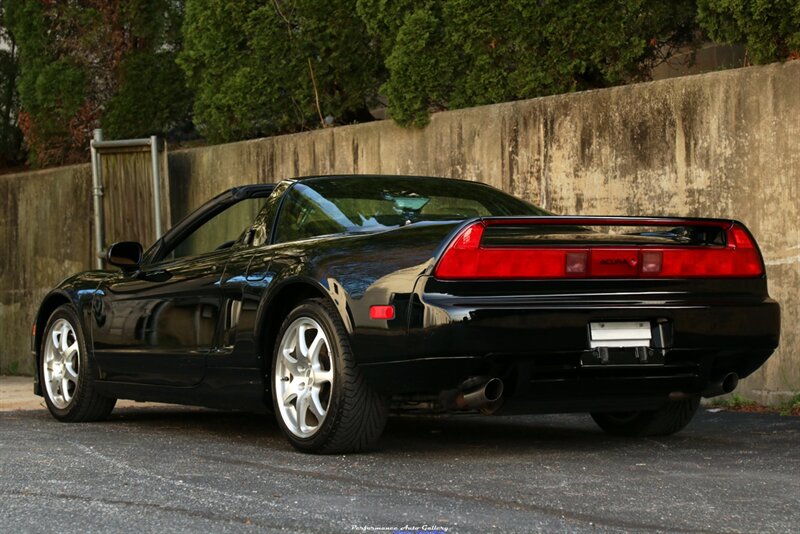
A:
(254, 65)
(769, 28)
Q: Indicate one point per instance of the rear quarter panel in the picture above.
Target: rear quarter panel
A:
(356, 272)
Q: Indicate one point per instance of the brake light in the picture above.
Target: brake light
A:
(465, 258)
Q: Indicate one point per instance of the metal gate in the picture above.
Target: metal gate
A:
(130, 189)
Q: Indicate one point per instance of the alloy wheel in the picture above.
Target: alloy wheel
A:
(304, 377)
(61, 363)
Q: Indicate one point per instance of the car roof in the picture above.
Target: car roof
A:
(343, 177)
(246, 190)
(376, 176)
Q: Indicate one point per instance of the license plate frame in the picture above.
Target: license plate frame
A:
(622, 343)
(620, 334)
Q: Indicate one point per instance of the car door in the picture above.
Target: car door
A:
(158, 325)
(244, 283)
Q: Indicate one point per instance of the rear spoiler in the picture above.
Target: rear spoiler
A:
(466, 257)
(606, 220)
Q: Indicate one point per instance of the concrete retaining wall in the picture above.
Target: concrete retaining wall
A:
(725, 144)
(46, 234)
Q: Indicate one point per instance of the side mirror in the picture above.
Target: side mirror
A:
(127, 255)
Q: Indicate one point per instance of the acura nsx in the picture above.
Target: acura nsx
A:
(332, 301)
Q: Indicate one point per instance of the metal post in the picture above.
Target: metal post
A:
(97, 197)
(156, 184)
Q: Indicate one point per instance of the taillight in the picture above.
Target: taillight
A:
(465, 258)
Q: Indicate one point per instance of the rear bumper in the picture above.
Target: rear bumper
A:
(559, 377)
(540, 347)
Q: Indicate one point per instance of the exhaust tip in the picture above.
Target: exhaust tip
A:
(493, 389)
(730, 382)
(484, 394)
(721, 385)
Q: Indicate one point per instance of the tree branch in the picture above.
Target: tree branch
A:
(316, 94)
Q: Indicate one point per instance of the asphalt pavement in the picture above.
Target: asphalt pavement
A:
(161, 468)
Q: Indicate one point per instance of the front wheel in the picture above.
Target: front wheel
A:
(321, 401)
(669, 419)
(66, 371)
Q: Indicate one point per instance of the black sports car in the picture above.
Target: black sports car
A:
(333, 300)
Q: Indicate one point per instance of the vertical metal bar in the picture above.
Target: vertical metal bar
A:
(156, 184)
(97, 197)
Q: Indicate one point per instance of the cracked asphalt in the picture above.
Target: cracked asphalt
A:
(159, 468)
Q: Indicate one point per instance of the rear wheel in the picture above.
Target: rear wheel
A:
(669, 419)
(321, 401)
(67, 373)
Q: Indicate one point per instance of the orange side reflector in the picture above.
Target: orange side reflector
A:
(384, 313)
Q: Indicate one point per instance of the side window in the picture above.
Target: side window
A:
(443, 207)
(264, 220)
(301, 217)
(221, 231)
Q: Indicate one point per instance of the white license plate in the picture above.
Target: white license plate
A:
(620, 334)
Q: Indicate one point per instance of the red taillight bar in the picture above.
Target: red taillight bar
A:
(465, 258)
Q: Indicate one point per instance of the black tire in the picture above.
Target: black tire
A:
(669, 419)
(85, 404)
(356, 414)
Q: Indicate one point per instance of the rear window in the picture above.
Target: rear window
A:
(322, 206)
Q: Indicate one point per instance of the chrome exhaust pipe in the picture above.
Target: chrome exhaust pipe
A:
(722, 385)
(485, 397)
